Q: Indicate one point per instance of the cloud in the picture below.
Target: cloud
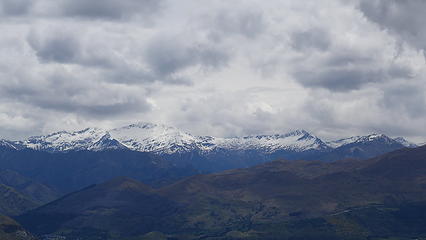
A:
(167, 56)
(404, 19)
(336, 65)
(248, 23)
(408, 99)
(63, 92)
(56, 46)
(15, 7)
(98, 10)
(316, 38)
(342, 77)
(216, 67)
(109, 9)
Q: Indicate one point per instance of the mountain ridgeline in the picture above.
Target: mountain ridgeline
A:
(210, 154)
(159, 155)
(375, 199)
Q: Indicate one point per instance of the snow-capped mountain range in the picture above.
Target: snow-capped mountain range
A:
(370, 138)
(161, 139)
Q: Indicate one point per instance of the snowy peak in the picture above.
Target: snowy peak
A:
(297, 141)
(363, 139)
(9, 144)
(404, 142)
(65, 141)
(148, 137)
(106, 143)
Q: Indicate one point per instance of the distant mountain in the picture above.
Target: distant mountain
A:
(210, 154)
(363, 147)
(406, 143)
(70, 171)
(378, 198)
(370, 138)
(64, 141)
(159, 155)
(161, 139)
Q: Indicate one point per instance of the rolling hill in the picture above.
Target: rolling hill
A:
(277, 200)
(19, 194)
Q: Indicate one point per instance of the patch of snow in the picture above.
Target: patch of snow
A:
(148, 137)
(404, 142)
(298, 140)
(65, 141)
(360, 139)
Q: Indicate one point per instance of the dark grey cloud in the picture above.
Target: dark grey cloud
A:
(69, 93)
(315, 38)
(162, 59)
(166, 56)
(61, 47)
(349, 70)
(73, 47)
(109, 9)
(338, 79)
(404, 19)
(95, 110)
(345, 79)
(15, 7)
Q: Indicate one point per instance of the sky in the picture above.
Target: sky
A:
(335, 68)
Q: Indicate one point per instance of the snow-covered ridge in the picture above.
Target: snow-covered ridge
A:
(406, 143)
(370, 138)
(356, 139)
(8, 144)
(162, 139)
(298, 140)
(148, 137)
(65, 141)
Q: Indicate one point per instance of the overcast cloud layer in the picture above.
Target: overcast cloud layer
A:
(223, 68)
